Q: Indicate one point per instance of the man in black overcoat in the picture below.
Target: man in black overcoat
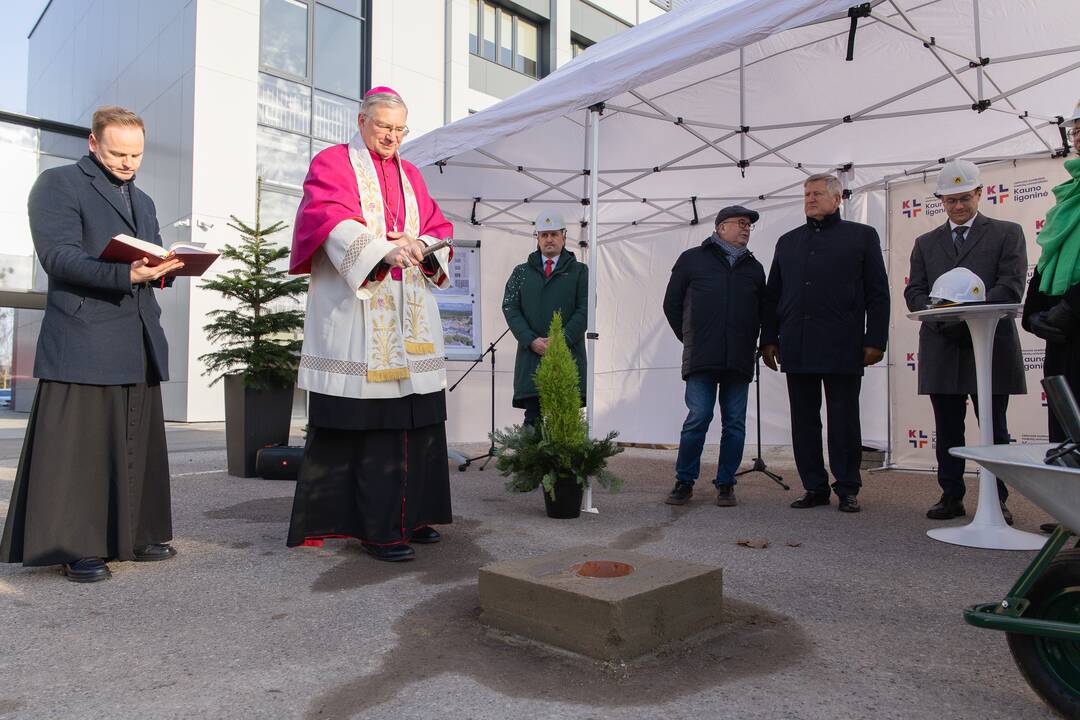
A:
(832, 319)
(994, 250)
(93, 478)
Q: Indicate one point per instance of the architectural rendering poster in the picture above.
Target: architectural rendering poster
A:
(1016, 191)
(459, 304)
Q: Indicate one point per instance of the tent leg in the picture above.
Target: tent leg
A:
(593, 144)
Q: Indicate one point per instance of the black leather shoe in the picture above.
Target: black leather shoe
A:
(87, 570)
(155, 552)
(1006, 514)
(811, 499)
(426, 535)
(947, 508)
(725, 496)
(848, 503)
(680, 494)
(389, 553)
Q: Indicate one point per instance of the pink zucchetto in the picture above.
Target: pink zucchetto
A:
(381, 89)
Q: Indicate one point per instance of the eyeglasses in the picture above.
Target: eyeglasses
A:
(383, 127)
(1073, 133)
(744, 224)
(959, 200)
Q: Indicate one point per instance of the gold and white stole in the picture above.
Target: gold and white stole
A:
(395, 316)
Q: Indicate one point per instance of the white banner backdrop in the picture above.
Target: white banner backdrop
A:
(639, 389)
(1017, 191)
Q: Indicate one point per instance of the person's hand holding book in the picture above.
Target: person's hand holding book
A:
(142, 272)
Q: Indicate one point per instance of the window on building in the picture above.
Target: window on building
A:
(283, 36)
(314, 64)
(579, 46)
(527, 57)
(504, 37)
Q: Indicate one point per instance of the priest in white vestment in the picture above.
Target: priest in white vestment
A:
(375, 465)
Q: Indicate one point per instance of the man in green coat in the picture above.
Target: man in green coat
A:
(550, 280)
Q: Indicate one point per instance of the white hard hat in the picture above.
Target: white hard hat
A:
(958, 176)
(1076, 113)
(549, 220)
(959, 285)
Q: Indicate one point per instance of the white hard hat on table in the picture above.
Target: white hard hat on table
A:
(549, 220)
(958, 176)
(958, 285)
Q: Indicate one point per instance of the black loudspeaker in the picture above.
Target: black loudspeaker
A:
(278, 462)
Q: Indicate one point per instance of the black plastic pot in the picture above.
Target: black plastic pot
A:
(253, 420)
(567, 502)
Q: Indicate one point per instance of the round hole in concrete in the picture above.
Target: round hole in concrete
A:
(604, 569)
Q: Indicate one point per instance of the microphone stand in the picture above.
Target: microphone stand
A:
(491, 450)
(759, 463)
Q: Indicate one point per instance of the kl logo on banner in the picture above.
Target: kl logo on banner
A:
(1039, 226)
(918, 439)
(910, 361)
(997, 194)
(911, 208)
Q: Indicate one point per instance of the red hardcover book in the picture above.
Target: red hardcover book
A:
(126, 249)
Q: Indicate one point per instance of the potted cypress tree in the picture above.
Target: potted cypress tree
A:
(557, 454)
(258, 338)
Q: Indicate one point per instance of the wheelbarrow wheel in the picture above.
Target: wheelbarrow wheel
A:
(1050, 665)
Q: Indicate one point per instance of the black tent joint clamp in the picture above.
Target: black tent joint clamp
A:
(592, 336)
(742, 165)
(980, 106)
(472, 218)
(693, 204)
(856, 12)
(1064, 136)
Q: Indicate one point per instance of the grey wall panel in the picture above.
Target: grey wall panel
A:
(494, 79)
(593, 24)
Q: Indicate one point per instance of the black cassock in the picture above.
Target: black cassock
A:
(375, 470)
(93, 478)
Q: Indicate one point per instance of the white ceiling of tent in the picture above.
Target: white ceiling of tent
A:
(909, 101)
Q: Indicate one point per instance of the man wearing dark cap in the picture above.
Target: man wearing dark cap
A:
(715, 303)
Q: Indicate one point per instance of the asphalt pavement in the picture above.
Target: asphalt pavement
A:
(840, 616)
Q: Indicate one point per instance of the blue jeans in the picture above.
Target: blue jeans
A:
(701, 396)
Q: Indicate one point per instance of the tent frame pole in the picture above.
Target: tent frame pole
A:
(593, 145)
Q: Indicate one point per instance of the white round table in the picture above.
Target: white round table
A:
(988, 528)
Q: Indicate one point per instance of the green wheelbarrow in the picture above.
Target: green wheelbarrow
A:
(1041, 613)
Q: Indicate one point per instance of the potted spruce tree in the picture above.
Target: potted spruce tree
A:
(557, 454)
(258, 340)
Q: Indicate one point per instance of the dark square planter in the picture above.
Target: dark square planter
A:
(253, 420)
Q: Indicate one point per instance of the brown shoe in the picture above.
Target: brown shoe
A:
(680, 494)
(725, 496)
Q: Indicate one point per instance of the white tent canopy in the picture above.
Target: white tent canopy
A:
(719, 102)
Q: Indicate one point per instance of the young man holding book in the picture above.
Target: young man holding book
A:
(93, 479)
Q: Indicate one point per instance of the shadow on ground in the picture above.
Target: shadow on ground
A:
(263, 510)
(444, 635)
(458, 559)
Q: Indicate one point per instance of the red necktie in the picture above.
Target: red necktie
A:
(547, 268)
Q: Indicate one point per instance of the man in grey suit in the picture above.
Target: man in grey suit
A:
(995, 251)
(93, 478)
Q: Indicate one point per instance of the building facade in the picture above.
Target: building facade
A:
(239, 94)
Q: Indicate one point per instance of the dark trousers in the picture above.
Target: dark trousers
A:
(845, 430)
(950, 412)
(532, 410)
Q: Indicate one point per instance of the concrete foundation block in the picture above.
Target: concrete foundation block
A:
(617, 615)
